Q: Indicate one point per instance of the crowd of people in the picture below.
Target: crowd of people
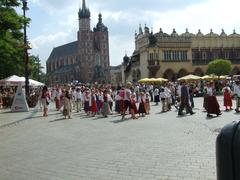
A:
(135, 99)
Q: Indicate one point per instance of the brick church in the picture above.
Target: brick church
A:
(84, 60)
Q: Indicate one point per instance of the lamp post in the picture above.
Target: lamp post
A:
(25, 54)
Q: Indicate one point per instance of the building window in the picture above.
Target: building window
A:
(151, 56)
(226, 55)
(175, 55)
(215, 55)
(204, 55)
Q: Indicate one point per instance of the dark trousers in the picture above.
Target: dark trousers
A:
(191, 101)
(184, 104)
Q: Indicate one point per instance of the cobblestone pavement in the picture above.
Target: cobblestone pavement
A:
(158, 146)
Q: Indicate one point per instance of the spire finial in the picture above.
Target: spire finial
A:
(100, 17)
(83, 5)
(84, 11)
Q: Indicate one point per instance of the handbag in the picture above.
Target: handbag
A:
(47, 102)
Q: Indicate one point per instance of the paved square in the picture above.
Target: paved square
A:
(158, 146)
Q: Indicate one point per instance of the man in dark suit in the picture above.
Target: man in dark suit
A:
(184, 102)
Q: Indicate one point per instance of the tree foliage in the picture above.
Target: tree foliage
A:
(35, 69)
(219, 67)
(11, 39)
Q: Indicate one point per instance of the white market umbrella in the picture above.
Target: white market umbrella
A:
(12, 81)
(35, 83)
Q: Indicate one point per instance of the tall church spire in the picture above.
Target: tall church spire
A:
(83, 4)
(84, 12)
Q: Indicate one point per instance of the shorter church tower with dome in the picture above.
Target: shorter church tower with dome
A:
(85, 60)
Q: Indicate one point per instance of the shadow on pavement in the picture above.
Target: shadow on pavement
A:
(55, 120)
(33, 112)
(121, 120)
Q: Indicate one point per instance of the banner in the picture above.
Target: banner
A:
(19, 103)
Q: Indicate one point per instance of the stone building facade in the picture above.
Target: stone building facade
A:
(84, 60)
(172, 55)
(116, 74)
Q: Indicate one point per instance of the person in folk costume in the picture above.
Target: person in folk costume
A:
(156, 95)
(121, 95)
(236, 91)
(57, 97)
(142, 105)
(163, 99)
(117, 102)
(105, 107)
(74, 98)
(205, 97)
(45, 98)
(191, 94)
(93, 103)
(87, 98)
(184, 100)
(62, 95)
(167, 92)
(110, 101)
(100, 101)
(227, 98)
(213, 106)
(97, 94)
(127, 99)
(78, 99)
(67, 106)
(147, 102)
(133, 108)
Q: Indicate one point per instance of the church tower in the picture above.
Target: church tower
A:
(84, 19)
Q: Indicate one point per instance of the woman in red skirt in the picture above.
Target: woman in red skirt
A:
(133, 108)
(94, 108)
(227, 99)
(213, 106)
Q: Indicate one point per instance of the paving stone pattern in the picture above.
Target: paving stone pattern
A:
(159, 146)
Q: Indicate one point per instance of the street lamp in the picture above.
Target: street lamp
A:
(26, 47)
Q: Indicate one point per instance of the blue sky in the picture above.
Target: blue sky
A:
(55, 22)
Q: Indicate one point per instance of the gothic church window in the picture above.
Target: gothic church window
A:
(97, 60)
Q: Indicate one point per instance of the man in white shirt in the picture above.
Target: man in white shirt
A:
(236, 91)
(73, 92)
(78, 99)
(127, 99)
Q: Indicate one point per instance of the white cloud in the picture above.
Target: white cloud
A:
(42, 40)
(119, 44)
(213, 14)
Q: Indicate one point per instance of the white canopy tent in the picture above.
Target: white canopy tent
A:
(15, 80)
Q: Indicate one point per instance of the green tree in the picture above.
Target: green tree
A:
(11, 39)
(36, 69)
(219, 67)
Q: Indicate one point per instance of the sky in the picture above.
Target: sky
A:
(55, 22)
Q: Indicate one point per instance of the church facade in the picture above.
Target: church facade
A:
(174, 55)
(85, 60)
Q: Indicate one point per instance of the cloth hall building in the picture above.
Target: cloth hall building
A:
(175, 55)
(84, 60)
